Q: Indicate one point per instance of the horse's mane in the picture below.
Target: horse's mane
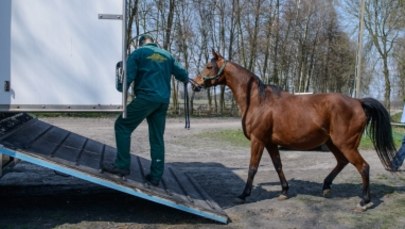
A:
(275, 89)
(260, 84)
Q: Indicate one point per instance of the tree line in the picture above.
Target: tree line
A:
(299, 45)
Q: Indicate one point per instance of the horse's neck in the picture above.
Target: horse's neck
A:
(242, 84)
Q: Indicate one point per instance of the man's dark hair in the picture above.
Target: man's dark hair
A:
(145, 37)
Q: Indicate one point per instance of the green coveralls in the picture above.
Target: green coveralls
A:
(150, 68)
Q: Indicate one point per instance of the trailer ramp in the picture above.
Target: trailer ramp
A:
(26, 138)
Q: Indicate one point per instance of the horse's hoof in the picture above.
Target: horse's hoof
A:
(363, 208)
(282, 197)
(239, 200)
(326, 193)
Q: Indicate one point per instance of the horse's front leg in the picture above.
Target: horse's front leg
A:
(256, 152)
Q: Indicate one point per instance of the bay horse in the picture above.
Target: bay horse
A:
(272, 117)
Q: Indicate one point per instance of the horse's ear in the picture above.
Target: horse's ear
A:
(216, 55)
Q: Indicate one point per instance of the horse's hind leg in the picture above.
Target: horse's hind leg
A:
(364, 169)
(256, 153)
(275, 157)
(341, 163)
(353, 156)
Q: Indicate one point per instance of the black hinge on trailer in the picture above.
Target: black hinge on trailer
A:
(6, 85)
(110, 16)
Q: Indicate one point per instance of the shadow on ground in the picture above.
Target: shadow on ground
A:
(48, 206)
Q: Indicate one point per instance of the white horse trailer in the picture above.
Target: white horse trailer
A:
(59, 55)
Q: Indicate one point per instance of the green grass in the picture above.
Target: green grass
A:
(229, 136)
(237, 138)
(396, 117)
(397, 133)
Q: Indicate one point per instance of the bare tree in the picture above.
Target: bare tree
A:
(383, 21)
(276, 28)
(296, 44)
(399, 56)
(133, 6)
(184, 34)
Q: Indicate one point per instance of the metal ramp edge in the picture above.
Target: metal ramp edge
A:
(43, 144)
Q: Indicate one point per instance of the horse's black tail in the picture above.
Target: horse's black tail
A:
(380, 132)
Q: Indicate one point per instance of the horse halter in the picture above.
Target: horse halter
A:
(219, 73)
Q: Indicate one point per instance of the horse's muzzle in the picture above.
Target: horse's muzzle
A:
(195, 86)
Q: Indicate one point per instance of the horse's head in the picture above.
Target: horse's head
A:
(212, 74)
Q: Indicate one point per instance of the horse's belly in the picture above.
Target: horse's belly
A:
(301, 143)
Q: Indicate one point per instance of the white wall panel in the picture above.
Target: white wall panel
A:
(57, 53)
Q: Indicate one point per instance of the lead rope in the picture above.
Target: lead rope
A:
(186, 107)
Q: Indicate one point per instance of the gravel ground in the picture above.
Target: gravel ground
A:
(34, 197)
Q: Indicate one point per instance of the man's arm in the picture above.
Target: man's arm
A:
(179, 72)
(131, 68)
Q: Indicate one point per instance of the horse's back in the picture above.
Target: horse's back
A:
(321, 104)
(333, 108)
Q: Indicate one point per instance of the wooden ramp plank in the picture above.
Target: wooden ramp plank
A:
(45, 145)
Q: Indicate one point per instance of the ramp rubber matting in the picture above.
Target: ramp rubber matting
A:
(26, 138)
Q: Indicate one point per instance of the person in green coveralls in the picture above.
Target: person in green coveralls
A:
(150, 68)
